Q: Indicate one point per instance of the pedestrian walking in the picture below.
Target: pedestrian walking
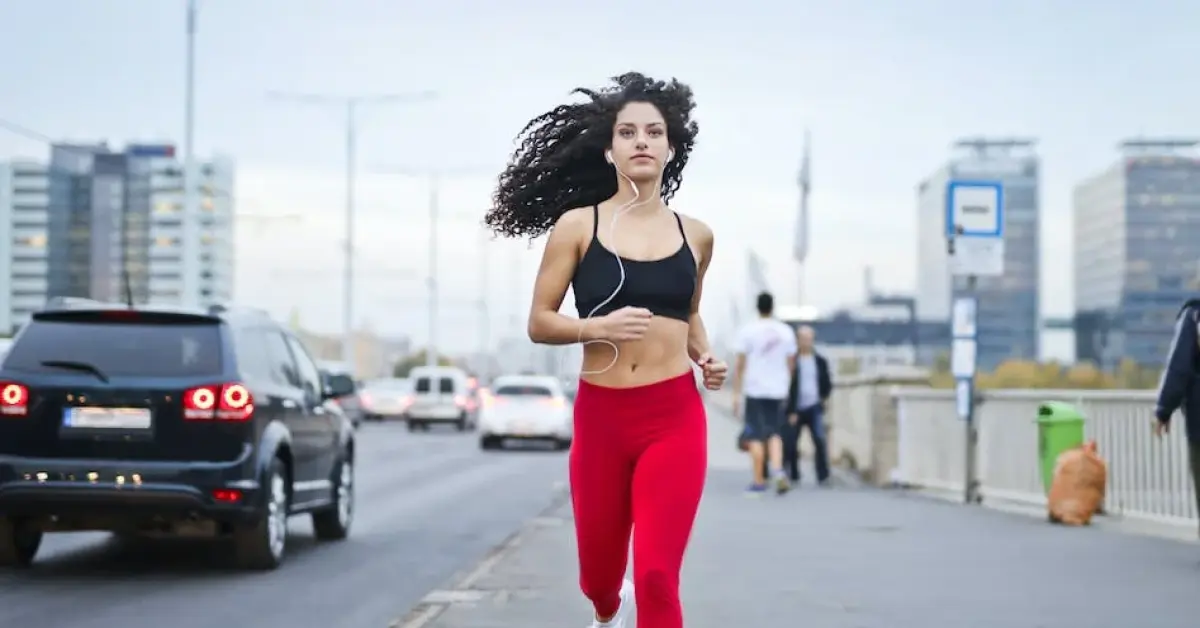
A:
(1178, 389)
(808, 398)
(766, 348)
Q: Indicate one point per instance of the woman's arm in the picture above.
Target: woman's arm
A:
(697, 344)
(546, 325)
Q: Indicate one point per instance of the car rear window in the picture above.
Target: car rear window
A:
(524, 391)
(423, 384)
(119, 348)
(446, 385)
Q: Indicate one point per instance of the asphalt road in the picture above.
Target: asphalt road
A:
(429, 505)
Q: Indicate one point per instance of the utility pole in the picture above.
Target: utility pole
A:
(351, 104)
(485, 325)
(802, 237)
(190, 232)
(435, 176)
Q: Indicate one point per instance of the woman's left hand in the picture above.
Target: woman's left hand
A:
(714, 371)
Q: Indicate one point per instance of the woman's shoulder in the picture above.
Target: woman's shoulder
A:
(696, 229)
(575, 220)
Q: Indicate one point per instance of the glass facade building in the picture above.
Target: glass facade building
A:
(1137, 226)
(97, 224)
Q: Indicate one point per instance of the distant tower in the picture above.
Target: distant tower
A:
(800, 243)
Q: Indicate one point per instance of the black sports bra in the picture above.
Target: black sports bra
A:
(663, 286)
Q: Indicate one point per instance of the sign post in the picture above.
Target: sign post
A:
(975, 244)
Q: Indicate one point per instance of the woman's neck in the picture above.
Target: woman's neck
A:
(647, 197)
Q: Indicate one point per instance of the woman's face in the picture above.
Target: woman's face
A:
(639, 141)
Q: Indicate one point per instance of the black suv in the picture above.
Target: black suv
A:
(162, 421)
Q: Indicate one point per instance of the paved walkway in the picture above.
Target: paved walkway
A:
(857, 558)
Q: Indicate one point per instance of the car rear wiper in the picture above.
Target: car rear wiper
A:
(77, 366)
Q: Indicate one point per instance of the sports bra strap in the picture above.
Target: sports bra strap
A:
(680, 222)
(596, 221)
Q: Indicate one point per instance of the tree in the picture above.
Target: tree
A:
(1131, 375)
(403, 367)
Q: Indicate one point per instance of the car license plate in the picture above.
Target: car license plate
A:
(107, 418)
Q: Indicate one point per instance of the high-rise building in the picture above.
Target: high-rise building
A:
(216, 180)
(97, 228)
(114, 228)
(1007, 317)
(23, 202)
(1136, 259)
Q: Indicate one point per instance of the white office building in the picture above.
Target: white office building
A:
(23, 202)
(216, 206)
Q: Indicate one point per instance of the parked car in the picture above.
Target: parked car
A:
(386, 399)
(526, 407)
(211, 423)
(441, 394)
(341, 380)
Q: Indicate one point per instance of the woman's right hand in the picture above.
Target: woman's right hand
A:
(625, 324)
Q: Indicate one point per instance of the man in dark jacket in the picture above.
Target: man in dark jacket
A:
(1178, 389)
(807, 398)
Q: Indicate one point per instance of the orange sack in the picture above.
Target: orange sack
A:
(1080, 477)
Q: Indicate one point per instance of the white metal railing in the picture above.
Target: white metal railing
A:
(1149, 478)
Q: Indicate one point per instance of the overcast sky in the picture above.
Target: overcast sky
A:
(884, 85)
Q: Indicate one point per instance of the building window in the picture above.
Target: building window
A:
(38, 241)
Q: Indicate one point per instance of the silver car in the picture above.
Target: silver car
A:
(526, 407)
(386, 399)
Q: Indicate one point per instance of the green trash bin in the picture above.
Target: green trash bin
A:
(1060, 428)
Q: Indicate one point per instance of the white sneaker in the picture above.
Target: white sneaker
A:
(618, 620)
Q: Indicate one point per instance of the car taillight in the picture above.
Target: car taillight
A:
(460, 401)
(14, 399)
(406, 400)
(223, 402)
(557, 402)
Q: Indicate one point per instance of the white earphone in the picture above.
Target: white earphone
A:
(612, 246)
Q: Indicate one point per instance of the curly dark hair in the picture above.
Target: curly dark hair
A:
(559, 163)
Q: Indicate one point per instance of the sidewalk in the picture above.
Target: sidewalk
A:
(853, 558)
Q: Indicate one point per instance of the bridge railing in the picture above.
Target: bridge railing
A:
(895, 429)
(1149, 477)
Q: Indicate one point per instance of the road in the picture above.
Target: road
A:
(429, 505)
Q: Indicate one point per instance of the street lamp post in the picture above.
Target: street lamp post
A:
(190, 232)
(351, 104)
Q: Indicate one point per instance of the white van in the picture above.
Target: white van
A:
(441, 394)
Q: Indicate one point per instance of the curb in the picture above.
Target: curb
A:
(461, 588)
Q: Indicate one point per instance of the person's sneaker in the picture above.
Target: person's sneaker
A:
(781, 483)
(620, 618)
(756, 490)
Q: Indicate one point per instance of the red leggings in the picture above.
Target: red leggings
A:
(637, 462)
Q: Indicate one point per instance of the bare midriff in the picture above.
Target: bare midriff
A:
(659, 355)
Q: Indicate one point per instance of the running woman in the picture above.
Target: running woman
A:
(597, 176)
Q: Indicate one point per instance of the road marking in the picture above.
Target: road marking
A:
(420, 617)
(462, 590)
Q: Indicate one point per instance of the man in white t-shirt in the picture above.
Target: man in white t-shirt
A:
(766, 357)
